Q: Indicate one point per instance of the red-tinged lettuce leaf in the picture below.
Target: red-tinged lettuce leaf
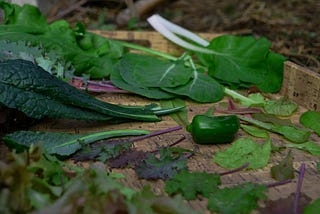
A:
(311, 119)
(284, 205)
(238, 199)
(192, 184)
(242, 151)
(244, 62)
(129, 158)
(146, 202)
(164, 167)
(284, 170)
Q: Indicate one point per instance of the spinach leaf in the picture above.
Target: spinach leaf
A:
(244, 62)
(284, 170)
(23, 76)
(201, 88)
(311, 119)
(254, 131)
(147, 71)
(244, 150)
(280, 107)
(150, 92)
(62, 144)
(310, 147)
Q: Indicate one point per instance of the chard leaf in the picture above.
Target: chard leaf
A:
(147, 71)
(254, 131)
(244, 62)
(311, 119)
(150, 92)
(280, 107)
(310, 147)
(242, 151)
(200, 88)
(284, 170)
(180, 117)
(62, 144)
(239, 199)
(164, 167)
(191, 184)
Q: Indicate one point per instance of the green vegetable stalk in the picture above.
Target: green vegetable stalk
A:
(213, 129)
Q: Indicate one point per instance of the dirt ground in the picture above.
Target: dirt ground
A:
(291, 25)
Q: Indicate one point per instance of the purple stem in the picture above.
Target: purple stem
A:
(155, 133)
(278, 183)
(234, 170)
(298, 191)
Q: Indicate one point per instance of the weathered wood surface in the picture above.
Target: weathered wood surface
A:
(202, 161)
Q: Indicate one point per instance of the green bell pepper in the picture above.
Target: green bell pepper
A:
(213, 129)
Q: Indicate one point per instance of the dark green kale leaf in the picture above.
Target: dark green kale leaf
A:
(191, 184)
(164, 167)
(239, 199)
(30, 89)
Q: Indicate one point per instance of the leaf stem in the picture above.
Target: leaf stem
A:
(234, 170)
(134, 139)
(298, 191)
(278, 183)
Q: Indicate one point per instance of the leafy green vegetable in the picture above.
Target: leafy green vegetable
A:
(243, 62)
(149, 92)
(164, 167)
(26, 23)
(281, 107)
(252, 100)
(147, 71)
(48, 60)
(201, 88)
(310, 147)
(239, 199)
(284, 170)
(312, 208)
(311, 119)
(62, 144)
(146, 202)
(254, 131)
(291, 133)
(270, 118)
(38, 94)
(244, 150)
(191, 184)
(180, 117)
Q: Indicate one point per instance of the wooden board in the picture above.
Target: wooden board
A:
(202, 161)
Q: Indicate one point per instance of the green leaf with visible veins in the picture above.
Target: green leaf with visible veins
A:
(239, 199)
(147, 71)
(310, 147)
(280, 107)
(200, 88)
(242, 151)
(164, 167)
(62, 144)
(243, 62)
(190, 184)
(311, 119)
